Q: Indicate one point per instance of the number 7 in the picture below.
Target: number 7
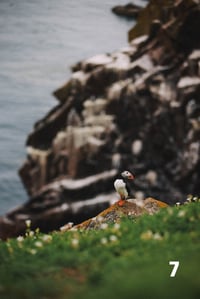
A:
(175, 268)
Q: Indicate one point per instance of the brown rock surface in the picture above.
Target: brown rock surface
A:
(132, 208)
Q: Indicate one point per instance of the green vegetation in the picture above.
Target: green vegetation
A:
(126, 260)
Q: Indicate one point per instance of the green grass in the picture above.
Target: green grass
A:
(126, 261)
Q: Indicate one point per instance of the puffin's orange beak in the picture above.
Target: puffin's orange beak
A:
(131, 177)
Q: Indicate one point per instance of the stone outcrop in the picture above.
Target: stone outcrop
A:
(132, 208)
(136, 109)
(129, 10)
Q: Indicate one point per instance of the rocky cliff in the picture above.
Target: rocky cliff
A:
(136, 109)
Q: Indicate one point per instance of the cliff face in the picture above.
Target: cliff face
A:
(135, 109)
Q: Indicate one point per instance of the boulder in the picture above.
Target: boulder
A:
(129, 10)
(132, 208)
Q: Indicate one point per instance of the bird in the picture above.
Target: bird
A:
(121, 186)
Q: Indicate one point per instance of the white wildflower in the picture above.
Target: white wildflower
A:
(195, 198)
(31, 233)
(67, 226)
(38, 244)
(113, 238)
(28, 223)
(189, 198)
(181, 213)
(20, 239)
(116, 226)
(104, 241)
(75, 243)
(157, 236)
(104, 226)
(47, 238)
(33, 251)
(131, 213)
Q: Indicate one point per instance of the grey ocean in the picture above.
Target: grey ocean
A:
(39, 41)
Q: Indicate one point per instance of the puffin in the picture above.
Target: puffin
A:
(121, 186)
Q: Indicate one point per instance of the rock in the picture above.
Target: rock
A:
(135, 109)
(180, 26)
(188, 82)
(112, 101)
(93, 62)
(75, 200)
(131, 208)
(120, 98)
(129, 10)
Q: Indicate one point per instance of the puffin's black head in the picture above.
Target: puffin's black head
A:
(127, 175)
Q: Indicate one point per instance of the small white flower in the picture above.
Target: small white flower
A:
(33, 251)
(189, 198)
(104, 241)
(181, 213)
(67, 226)
(31, 233)
(46, 238)
(116, 226)
(20, 239)
(157, 236)
(28, 223)
(104, 226)
(178, 204)
(64, 228)
(38, 244)
(113, 238)
(195, 199)
(75, 242)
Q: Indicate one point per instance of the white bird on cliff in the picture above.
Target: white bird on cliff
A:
(121, 187)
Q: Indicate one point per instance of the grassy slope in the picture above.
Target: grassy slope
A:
(130, 261)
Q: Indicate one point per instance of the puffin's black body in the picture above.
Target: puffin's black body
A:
(128, 179)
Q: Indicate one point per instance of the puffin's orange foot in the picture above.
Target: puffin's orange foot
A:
(121, 202)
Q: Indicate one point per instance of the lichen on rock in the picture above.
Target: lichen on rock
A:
(132, 208)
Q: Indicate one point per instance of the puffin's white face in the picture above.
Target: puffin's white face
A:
(127, 175)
